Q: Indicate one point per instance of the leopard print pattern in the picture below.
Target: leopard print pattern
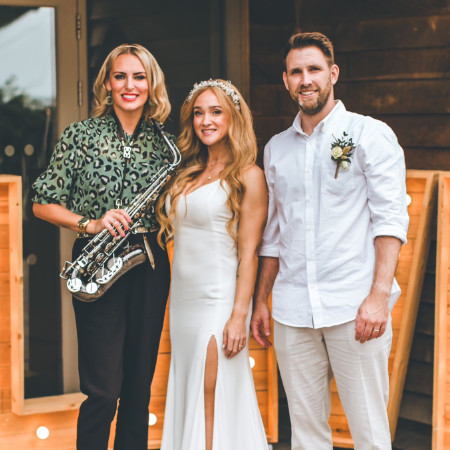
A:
(86, 170)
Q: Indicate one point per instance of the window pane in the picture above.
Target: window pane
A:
(27, 136)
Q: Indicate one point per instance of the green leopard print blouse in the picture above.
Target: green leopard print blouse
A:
(86, 169)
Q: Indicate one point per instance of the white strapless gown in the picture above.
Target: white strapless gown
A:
(201, 300)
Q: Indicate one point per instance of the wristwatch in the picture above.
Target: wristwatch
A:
(83, 223)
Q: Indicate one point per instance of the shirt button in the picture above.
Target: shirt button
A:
(309, 228)
(308, 171)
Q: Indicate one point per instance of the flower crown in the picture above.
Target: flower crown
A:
(215, 83)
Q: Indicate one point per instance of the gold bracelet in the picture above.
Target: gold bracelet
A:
(83, 223)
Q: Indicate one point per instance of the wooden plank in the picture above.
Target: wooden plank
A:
(417, 408)
(395, 97)
(272, 392)
(427, 158)
(66, 402)
(4, 260)
(13, 425)
(16, 294)
(424, 131)
(5, 331)
(407, 325)
(441, 433)
(397, 33)
(5, 400)
(419, 378)
(272, 12)
(410, 436)
(372, 98)
(156, 30)
(106, 9)
(269, 41)
(397, 64)
(4, 236)
(425, 319)
(354, 10)
(422, 348)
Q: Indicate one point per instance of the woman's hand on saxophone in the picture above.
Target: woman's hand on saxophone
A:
(114, 220)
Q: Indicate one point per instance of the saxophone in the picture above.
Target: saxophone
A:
(100, 264)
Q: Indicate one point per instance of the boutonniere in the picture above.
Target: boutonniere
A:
(341, 150)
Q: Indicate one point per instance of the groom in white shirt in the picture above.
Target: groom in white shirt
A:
(337, 220)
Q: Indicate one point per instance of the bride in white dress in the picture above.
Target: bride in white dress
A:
(215, 211)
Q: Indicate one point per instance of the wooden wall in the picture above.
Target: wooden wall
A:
(394, 59)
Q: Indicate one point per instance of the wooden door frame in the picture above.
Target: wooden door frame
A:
(237, 44)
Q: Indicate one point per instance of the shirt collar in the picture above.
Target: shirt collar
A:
(322, 126)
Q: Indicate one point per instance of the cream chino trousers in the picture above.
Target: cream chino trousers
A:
(309, 358)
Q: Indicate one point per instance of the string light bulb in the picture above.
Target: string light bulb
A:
(152, 419)
(42, 433)
(408, 199)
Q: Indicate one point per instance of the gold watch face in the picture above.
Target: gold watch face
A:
(83, 222)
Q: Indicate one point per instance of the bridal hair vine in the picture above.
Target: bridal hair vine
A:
(216, 83)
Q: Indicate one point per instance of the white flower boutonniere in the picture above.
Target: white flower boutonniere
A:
(341, 150)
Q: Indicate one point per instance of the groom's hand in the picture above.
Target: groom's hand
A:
(260, 324)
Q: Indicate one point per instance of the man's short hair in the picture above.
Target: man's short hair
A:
(314, 39)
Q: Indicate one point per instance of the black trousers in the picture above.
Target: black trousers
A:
(118, 340)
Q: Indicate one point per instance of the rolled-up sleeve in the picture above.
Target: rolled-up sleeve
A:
(384, 168)
(271, 235)
(55, 184)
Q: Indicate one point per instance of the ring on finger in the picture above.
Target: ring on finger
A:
(376, 331)
(240, 347)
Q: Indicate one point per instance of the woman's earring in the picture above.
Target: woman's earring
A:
(109, 99)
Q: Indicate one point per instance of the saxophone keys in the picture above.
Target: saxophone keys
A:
(74, 284)
(91, 288)
(111, 263)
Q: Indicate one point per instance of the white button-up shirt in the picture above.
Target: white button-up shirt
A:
(322, 228)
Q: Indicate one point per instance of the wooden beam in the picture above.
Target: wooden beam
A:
(441, 403)
(412, 298)
(16, 288)
(237, 44)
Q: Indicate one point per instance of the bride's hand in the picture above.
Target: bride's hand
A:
(234, 336)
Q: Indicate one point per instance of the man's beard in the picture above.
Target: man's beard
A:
(310, 109)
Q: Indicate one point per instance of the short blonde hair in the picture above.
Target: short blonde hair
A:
(158, 105)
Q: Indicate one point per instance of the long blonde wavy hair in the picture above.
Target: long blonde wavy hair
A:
(243, 150)
(157, 106)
